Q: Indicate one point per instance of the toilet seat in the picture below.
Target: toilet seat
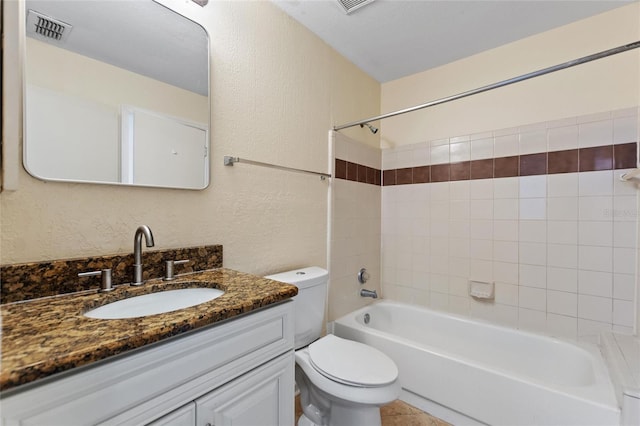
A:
(351, 363)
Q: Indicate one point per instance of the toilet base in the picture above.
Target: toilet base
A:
(348, 416)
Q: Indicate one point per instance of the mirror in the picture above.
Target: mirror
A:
(116, 92)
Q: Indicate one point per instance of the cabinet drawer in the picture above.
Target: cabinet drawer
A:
(148, 383)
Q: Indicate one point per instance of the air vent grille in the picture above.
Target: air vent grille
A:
(351, 5)
(47, 27)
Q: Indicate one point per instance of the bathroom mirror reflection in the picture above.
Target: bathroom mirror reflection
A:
(116, 92)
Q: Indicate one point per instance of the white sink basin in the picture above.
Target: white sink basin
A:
(154, 303)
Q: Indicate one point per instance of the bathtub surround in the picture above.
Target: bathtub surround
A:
(40, 279)
(355, 218)
(539, 210)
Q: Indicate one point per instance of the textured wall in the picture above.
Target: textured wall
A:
(276, 90)
(605, 85)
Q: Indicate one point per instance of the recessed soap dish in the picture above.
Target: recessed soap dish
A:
(481, 290)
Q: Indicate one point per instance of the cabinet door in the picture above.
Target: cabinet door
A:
(264, 396)
(183, 416)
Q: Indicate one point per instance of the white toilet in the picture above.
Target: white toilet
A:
(341, 382)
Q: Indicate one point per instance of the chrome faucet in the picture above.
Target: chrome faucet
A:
(137, 251)
(368, 293)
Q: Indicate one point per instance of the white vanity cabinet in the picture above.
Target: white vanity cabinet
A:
(238, 372)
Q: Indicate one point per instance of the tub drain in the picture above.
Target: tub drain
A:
(367, 318)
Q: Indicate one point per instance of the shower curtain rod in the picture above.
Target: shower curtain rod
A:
(572, 63)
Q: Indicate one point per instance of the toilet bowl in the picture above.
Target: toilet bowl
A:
(341, 382)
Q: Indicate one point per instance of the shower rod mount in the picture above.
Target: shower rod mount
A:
(503, 83)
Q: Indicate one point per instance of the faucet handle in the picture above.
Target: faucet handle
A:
(169, 264)
(106, 284)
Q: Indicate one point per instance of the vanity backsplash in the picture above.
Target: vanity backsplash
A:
(26, 281)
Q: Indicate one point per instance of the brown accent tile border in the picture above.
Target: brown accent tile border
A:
(357, 172)
(608, 157)
(40, 279)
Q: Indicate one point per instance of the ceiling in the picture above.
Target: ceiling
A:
(390, 39)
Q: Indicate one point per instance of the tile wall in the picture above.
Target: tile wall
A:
(539, 210)
(355, 225)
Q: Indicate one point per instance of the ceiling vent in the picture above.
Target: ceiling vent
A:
(350, 6)
(46, 27)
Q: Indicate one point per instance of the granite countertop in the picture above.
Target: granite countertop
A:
(42, 337)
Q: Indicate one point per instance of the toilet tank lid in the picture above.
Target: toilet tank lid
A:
(303, 277)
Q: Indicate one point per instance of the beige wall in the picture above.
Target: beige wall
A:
(604, 85)
(276, 91)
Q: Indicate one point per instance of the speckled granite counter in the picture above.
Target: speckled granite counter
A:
(42, 337)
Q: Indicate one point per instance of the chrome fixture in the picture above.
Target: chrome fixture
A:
(137, 251)
(169, 264)
(368, 293)
(230, 161)
(548, 70)
(374, 130)
(363, 276)
(105, 274)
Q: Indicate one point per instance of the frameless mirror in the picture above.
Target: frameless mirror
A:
(116, 92)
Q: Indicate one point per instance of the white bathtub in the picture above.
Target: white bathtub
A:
(467, 371)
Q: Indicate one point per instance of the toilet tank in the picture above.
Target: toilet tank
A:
(309, 304)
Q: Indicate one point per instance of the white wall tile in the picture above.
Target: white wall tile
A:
(459, 266)
(595, 208)
(598, 116)
(439, 191)
(506, 273)
(562, 185)
(459, 152)
(595, 183)
(623, 313)
(458, 139)
(480, 270)
(565, 208)
(506, 209)
(562, 279)
(560, 302)
(480, 249)
(595, 233)
(595, 133)
(459, 190)
(439, 154)
(533, 186)
(505, 251)
(459, 229)
(562, 138)
(623, 286)
(459, 209)
(532, 320)
(533, 208)
(624, 260)
(506, 188)
(621, 187)
(595, 283)
(482, 148)
(533, 253)
(506, 146)
(458, 286)
(562, 255)
(625, 129)
(533, 142)
(533, 276)
(625, 208)
(595, 308)
(592, 258)
(562, 232)
(481, 229)
(532, 298)
(505, 230)
(533, 231)
(481, 189)
(589, 330)
(506, 294)
(481, 209)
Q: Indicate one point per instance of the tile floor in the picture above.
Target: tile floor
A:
(399, 413)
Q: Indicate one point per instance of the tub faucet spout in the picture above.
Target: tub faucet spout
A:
(137, 251)
(368, 293)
